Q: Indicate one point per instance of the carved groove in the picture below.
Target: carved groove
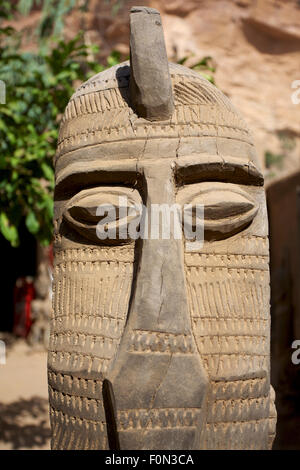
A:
(158, 418)
(144, 341)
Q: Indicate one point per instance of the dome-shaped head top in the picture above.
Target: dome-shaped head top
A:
(150, 107)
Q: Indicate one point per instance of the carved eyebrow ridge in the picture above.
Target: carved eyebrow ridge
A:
(232, 172)
(78, 181)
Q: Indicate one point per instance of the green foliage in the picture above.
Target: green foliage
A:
(6, 9)
(115, 5)
(272, 159)
(275, 162)
(287, 141)
(204, 67)
(53, 13)
(114, 58)
(38, 88)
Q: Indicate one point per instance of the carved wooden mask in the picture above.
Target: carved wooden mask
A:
(155, 345)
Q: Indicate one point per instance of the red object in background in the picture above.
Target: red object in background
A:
(23, 295)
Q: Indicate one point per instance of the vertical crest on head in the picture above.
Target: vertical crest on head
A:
(150, 82)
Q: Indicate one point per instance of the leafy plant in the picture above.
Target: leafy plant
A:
(53, 13)
(38, 87)
(6, 9)
(204, 67)
(272, 159)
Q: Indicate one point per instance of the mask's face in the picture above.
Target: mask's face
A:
(183, 299)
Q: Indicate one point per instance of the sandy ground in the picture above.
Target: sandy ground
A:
(24, 419)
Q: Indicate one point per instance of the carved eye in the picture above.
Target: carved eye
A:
(227, 209)
(103, 210)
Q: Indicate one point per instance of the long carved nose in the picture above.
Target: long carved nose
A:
(158, 380)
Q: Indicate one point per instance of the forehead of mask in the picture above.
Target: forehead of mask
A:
(100, 133)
